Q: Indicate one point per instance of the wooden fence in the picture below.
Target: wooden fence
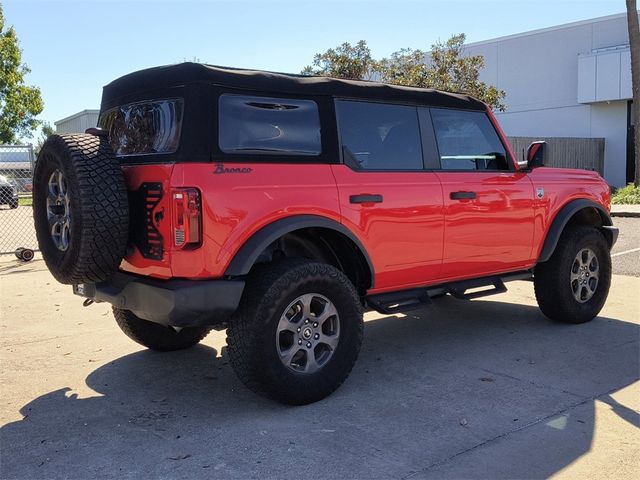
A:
(565, 152)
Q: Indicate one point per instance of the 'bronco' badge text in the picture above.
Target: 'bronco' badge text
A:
(220, 168)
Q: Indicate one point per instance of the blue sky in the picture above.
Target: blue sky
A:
(76, 47)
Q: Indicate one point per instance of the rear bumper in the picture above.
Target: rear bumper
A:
(180, 303)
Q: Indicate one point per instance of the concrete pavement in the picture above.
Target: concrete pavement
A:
(482, 389)
(625, 211)
(625, 255)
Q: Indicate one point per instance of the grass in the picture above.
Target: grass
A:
(25, 201)
(629, 195)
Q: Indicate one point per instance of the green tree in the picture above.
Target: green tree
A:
(445, 67)
(19, 103)
(352, 62)
(406, 67)
(46, 131)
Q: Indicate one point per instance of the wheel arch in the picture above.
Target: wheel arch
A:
(303, 225)
(582, 212)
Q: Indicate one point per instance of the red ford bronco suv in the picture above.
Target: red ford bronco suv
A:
(280, 207)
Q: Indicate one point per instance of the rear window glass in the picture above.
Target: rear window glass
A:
(144, 128)
(467, 141)
(267, 125)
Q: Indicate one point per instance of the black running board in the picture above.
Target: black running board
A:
(402, 301)
(459, 289)
(406, 300)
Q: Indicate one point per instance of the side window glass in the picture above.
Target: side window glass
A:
(467, 141)
(378, 136)
(268, 126)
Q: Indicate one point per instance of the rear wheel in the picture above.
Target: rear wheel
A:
(155, 336)
(297, 333)
(572, 286)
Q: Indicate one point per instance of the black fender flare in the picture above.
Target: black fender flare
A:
(564, 216)
(246, 256)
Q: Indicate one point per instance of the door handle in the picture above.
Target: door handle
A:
(365, 199)
(462, 195)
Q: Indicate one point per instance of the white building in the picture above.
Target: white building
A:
(571, 80)
(78, 122)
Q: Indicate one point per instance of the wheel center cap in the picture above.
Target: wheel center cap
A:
(307, 333)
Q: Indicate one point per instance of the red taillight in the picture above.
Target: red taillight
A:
(187, 218)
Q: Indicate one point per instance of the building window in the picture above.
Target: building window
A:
(268, 126)
(378, 136)
(467, 141)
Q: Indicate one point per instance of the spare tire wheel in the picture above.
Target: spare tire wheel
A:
(80, 208)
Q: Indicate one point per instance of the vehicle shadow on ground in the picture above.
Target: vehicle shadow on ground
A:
(428, 387)
(10, 265)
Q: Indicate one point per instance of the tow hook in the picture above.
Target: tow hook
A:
(87, 302)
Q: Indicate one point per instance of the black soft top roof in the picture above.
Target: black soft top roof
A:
(156, 79)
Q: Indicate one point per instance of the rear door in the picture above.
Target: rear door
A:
(488, 204)
(386, 195)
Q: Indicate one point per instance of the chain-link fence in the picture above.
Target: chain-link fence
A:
(16, 185)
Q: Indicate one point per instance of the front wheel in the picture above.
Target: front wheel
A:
(297, 333)
(572, 286)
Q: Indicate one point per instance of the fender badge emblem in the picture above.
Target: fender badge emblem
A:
(539, 192)
(221, 169)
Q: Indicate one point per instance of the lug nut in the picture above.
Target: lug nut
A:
(306, 321)
(315, 324)
(308, 344)
(299, 342)
(299, 329)
(316, 336)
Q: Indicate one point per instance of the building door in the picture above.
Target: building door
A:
(631, 146)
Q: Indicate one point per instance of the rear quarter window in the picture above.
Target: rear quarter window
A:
(268, 125)
(144, 128)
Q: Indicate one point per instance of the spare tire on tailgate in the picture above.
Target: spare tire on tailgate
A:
(80, 208)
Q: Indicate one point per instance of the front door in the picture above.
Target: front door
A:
(488, 204)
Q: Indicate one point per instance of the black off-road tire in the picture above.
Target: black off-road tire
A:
(251, 336)
(155, 336)
(99, 209)
(552, 278)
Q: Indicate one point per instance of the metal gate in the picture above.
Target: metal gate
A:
(16, 185)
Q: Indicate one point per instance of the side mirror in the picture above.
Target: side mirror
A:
(536, 154)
